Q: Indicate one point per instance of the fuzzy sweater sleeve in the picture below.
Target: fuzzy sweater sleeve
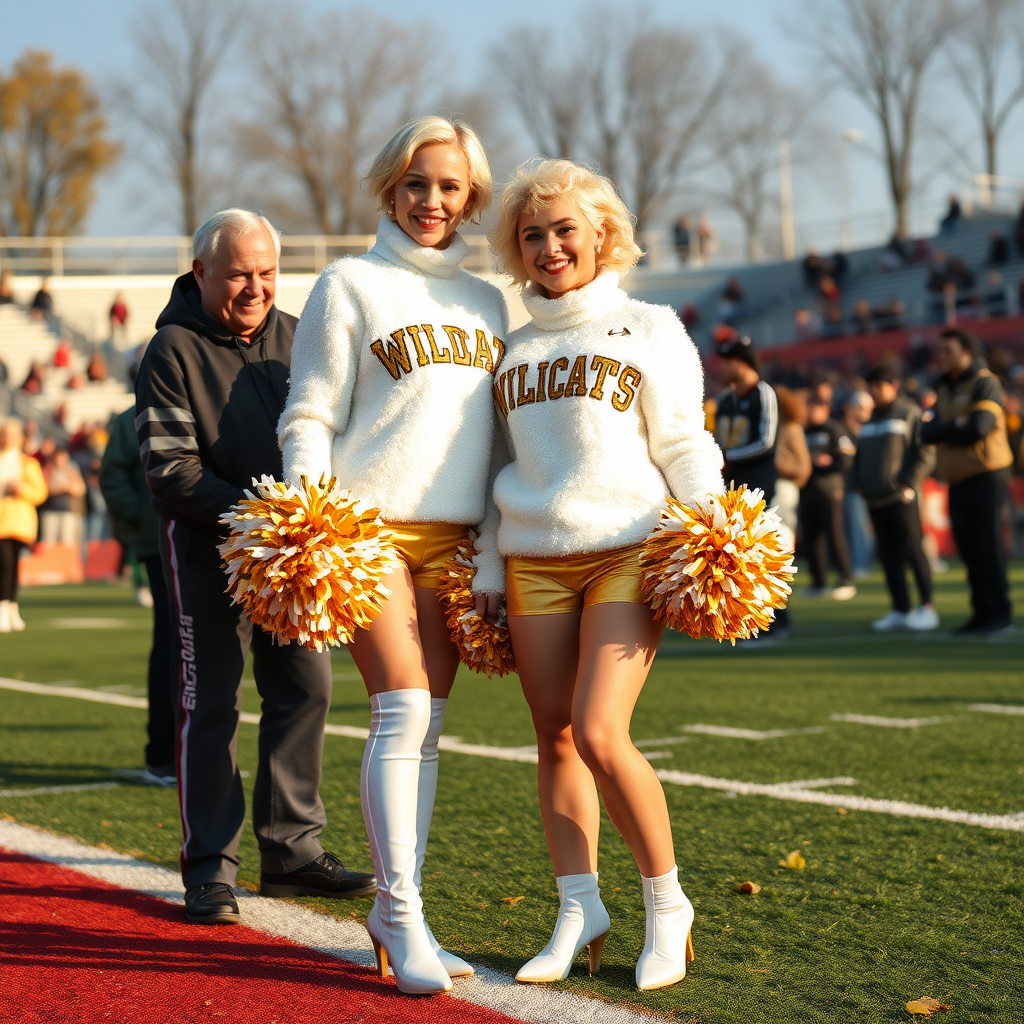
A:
(672, 401)
(325, 359)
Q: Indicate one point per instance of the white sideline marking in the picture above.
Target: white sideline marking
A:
(528, 755)
(43, 790)
(997, 709)
(344, 940)
(662, 742)
(750, 734)
(891, 723)
(86, 623)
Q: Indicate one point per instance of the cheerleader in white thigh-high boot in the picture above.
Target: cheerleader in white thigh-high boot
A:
(391, 393)
(602, 396)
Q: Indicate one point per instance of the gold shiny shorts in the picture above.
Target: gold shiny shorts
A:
(569, 583)
(425, 548)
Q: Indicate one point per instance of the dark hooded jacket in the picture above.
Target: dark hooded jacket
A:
(207, 406)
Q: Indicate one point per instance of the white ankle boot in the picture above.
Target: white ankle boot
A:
(5, 616)
(17, 622)
(582, 921)
(669, 947)
(389, 782)
(454, 965)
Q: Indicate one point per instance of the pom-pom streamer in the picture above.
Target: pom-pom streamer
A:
(306, 563)
(483, 646)
(718, 567)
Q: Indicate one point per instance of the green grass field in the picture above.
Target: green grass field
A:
(888, 908)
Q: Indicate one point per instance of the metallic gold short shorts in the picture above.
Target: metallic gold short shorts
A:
(570, 583)
(426, 547)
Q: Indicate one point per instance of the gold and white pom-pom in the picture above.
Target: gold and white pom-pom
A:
(483, 646)
(718, 567)
(306, 563)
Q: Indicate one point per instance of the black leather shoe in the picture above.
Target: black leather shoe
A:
(325, 876)
(211, 903)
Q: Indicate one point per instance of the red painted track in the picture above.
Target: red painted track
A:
(77, 950)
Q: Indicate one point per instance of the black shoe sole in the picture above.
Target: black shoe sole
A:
(228, 917)
(276, 889)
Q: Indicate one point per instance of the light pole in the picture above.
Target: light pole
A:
(853, 135)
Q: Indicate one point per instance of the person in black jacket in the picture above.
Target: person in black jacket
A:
(968, 428)
(209, 394)
(821, 501)
(888, 470)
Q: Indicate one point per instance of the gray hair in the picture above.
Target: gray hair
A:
(240, 223)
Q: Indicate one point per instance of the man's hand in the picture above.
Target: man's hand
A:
(823, 459)
(487, 605)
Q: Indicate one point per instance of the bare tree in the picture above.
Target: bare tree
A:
(987, 57)
(335, 88)
(180, 47)
(744, 137)
(883, 51)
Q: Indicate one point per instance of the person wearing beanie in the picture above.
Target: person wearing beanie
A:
(601, 397)
(391, 394)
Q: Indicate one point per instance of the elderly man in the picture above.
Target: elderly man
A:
(209, 394)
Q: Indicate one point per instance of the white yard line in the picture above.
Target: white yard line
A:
(344, 940)
(802, 792)
(891, 723)
(749, 734)
(45, 790)
(997, 709)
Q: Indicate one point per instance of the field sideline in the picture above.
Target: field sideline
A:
(889, 907)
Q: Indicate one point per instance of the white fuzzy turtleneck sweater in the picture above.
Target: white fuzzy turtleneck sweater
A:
(603, 398)
(391, 380)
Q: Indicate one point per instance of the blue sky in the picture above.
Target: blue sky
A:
(94, 37)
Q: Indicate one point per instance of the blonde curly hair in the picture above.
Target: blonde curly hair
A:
(537, 185)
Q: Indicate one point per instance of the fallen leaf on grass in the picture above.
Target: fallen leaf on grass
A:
(751, 887)
(512, 899)
(759, 970)
(926, 1006)
(793, 860)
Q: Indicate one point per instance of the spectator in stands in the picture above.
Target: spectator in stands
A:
(838, 266)
(824, 393)
(862, 320)
(42, 302)
(61, 515)
(34, 381)
(960, 274)
(707, 242)
(136, 526)
(821, 502)
(97, 369)
(993, 301)
(833, 325)
(689, 315)
(792, 459)
(118, 318)
(890, 316)
(857, 410)
(22, 489)
(6, 288)
(938, 271)
(681, 238)
(893, 256)
(730, 305)
(62, 356)
(998, 248)
(813, 268)
(97, 518)
(888, 471)
(968, 428)
(951, 221)
(805, 325)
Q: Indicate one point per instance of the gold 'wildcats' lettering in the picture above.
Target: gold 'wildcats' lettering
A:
(577, 383)
(460, 344)
(395, 357)
(629, 381)
(421, 356)
(482, 358)
(444, 356)
(524, 397)
(510, 390)
(561, 363)
(541, 370)
(603, 365)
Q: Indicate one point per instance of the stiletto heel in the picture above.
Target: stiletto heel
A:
(689, 946)
(382, 957)
(595, 948)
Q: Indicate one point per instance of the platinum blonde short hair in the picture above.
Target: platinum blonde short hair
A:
(537, 185)
(236, 222)
(431, 129)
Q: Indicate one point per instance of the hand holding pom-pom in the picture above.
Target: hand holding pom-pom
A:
(306, 563)
(718, 567)
(483, 646)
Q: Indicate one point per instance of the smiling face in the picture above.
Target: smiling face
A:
(239, 284)
(559, 248)
(431, 197)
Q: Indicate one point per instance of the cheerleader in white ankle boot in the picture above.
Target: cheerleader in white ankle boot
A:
(391, 392)
(602, 395)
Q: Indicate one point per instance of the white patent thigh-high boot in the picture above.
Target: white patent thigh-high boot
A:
(454, 965)
(582, 921)
(669, 946)
(388, 788)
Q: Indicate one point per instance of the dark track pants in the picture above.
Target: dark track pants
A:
(821, 516)
(898, 539)
(976, 515)
(162, 683)
(212, 640)
(10, 552)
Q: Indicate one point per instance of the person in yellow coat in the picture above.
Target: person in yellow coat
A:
(22, 488)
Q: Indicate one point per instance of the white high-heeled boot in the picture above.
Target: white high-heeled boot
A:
(17, 622)
(388, 789)
(669, 946)
(454, 965)
(5, 616)
(582, 921)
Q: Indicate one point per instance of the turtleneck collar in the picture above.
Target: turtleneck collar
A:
(395, 246)
(591, 302)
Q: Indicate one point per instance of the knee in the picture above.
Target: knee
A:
(600, 746)
(554, 741)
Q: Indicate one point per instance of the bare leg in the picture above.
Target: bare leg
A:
(617, 645)
(547, 648)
